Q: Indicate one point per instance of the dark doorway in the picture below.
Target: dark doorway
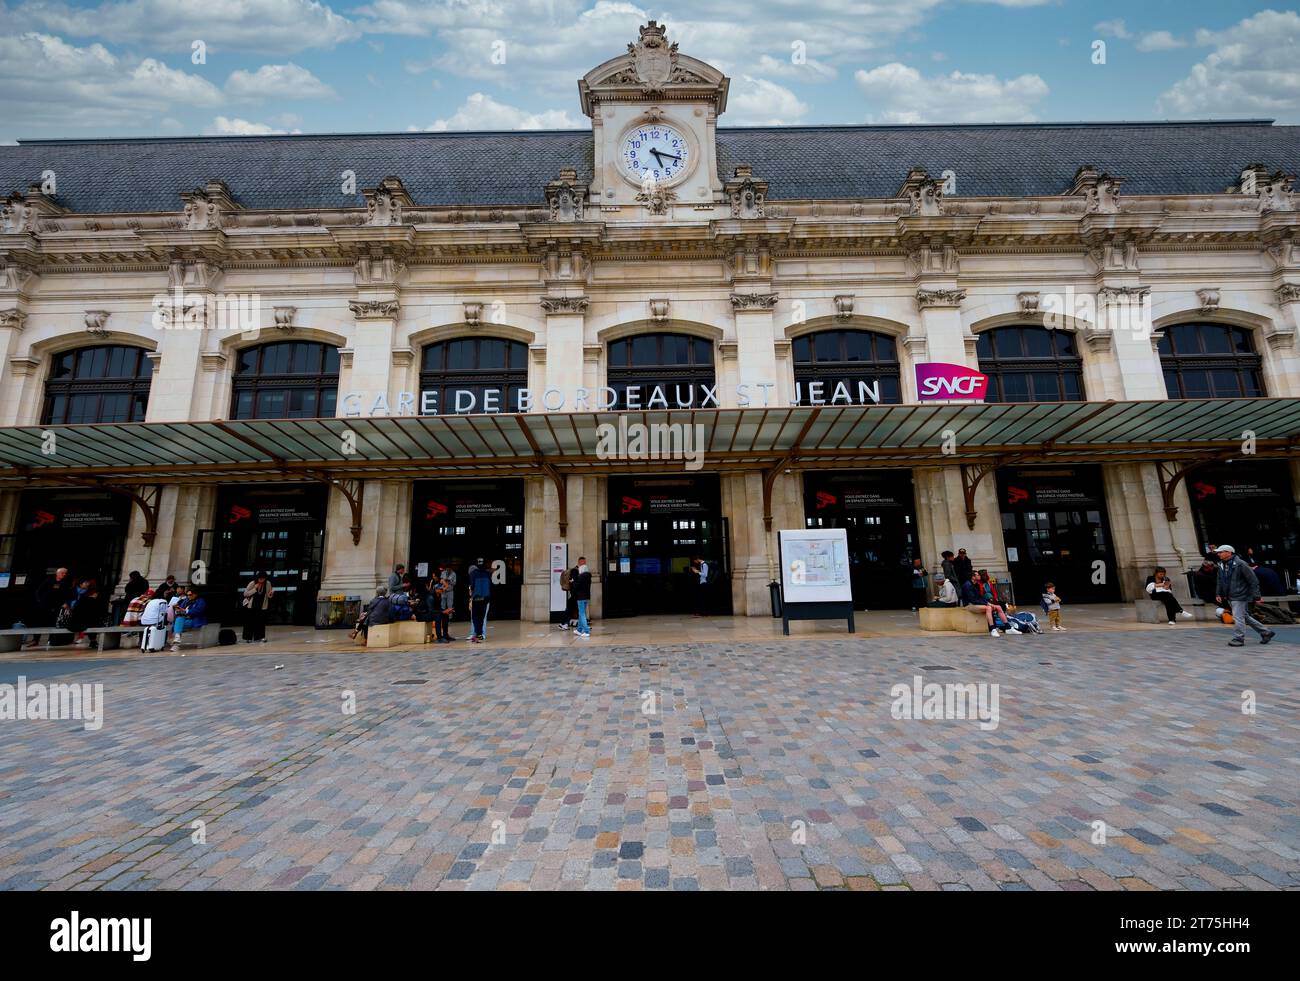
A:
(657, 525)
(877, 509)
(274, 528)
(82, 530)
(1055, 529)
(1249, 505)
(461, 521)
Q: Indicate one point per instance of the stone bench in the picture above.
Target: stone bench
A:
(207, 635)
(110, 638)
(12, 639)
(406, 633)
(1153, 611)
(956, 618)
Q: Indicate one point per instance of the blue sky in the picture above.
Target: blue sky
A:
(133, 67)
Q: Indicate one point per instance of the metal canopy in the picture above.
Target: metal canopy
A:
(734, 439)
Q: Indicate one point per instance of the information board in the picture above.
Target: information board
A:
(815, 565)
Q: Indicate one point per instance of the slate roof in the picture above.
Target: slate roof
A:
(509, 168)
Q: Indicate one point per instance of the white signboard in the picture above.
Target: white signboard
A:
(559, 562)
(815, 565)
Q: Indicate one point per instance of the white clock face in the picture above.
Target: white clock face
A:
(655, 149)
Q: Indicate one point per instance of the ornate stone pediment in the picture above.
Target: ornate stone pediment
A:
(746, 193)
(652, 66)
(206, 207)
(923, 193)
(385, 203)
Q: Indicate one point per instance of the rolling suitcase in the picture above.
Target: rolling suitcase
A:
(154, 637)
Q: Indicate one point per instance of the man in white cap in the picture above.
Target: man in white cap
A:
(1238, 588)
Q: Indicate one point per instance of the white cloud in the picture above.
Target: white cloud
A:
(1254, 70)
(45, 82)
(1159, 41)
(277, 82)
(482, 112)
(1112, 28)
(173, 25)
(223, 126)
(900, 94)
(811, 70)
(758, 102)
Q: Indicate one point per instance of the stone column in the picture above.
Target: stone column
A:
(755, 346)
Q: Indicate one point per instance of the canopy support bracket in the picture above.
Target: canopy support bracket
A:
(971, 475)
(1170, 478)
(353, 490)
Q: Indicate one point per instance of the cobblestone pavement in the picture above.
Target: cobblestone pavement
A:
(762, 766)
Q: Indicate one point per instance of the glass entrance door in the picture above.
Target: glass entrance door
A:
(646, 565)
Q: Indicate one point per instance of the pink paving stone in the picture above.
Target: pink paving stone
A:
(522, 811)
(695, 786)
(819, 817)
(678, 803)
(573, 798)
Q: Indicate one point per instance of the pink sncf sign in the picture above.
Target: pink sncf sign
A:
(936, 381)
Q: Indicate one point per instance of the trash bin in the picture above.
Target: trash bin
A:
(775, 589)
(337, 612)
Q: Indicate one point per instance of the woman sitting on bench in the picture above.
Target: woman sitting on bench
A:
(191, 613)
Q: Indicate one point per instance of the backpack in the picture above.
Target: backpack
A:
(1024, 623)
(564, 580)
(401, 605)
(481, 584)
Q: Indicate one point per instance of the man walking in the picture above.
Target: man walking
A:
(480, 592)
(580, 590)
(703, 571)
(1238, 588)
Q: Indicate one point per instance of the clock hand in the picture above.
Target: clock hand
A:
(656, 154)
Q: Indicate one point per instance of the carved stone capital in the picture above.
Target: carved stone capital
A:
(928, 299)
(12, 319)
(1287, 293)
(753, 301)
(565, 304)
(374, 309)
(15, 278)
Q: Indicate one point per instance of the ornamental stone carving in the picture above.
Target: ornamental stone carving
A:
(653, 60)
(12, 319)
(565, 304)
(1287, 293)
(373, 309)
(201, 213)
(284, 319)
(936, 299)
(924, 194)
(97, 322)
(1209, 300)
(1028, 303)
(384, 203)
(747, 194)
(659, 310)
(1275, 193)
(844, 306)
(655, 197)
(753, 301)
(473, 315)
(565, 197)
(1100, 191)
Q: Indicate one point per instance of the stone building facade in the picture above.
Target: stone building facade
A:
(1108, 257)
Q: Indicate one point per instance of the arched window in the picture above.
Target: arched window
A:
(1210, 361)
(286, 380)
(473, 374)
(661, 371)
(1030, 364)
(98, 384)
(864, 363)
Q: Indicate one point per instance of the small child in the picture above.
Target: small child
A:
(1052, 606)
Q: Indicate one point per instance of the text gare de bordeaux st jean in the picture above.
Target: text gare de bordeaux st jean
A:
(934, 381)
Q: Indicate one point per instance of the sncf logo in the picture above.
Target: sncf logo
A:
(825, 500)
(239, 513)
(1017, 494)
(1205, 490)
(434, 509)
(631, 504)
(936, 380)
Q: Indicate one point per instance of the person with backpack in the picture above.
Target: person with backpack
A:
(1238, 588)
(570, 607)
(580, 590)
(480, 588)
(400, 602)
(256, 602)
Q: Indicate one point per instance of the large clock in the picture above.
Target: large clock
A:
(656, 150)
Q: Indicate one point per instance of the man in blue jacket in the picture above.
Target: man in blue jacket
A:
(1238, 588)
(973, 598)
(480, 594)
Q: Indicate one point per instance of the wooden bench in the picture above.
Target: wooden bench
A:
(405, 633)
(955, 618)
